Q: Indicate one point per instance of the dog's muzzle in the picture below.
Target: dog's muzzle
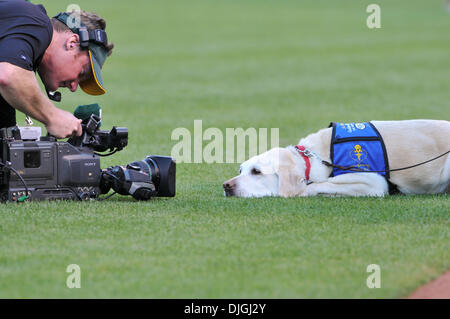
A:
(229, 186)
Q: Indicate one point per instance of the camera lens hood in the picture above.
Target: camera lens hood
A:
(167, 170)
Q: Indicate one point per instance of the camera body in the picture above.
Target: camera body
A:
(50, 169)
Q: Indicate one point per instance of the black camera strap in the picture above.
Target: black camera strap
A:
(8, 166)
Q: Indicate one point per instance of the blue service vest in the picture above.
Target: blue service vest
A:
(359, 145)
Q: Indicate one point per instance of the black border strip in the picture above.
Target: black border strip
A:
(274, 308)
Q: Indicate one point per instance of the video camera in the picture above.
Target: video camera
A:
(39, 168)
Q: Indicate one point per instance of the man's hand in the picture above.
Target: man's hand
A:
(21, 90)
(64, 124)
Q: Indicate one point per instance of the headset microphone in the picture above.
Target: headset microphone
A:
(54, 95)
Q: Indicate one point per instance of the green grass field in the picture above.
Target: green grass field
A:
(293, 65)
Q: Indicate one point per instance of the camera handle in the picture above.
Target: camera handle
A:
(49, 138)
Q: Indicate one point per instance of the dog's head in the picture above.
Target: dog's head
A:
(274, 173)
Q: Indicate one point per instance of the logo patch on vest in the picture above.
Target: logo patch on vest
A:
(358, 154)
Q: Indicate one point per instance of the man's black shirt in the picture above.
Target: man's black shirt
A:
(25, 34)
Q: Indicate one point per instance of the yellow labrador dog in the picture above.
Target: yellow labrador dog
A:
(300, 170)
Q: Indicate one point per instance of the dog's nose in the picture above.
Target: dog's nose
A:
(228, 186)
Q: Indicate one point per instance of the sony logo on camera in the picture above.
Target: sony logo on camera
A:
(89, 164)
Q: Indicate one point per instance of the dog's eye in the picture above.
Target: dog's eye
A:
(256, 171)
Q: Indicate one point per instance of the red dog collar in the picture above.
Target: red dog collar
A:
(301, 150)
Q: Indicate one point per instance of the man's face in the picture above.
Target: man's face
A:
(65, 65)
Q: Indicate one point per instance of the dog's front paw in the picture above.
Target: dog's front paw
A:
(309, 191)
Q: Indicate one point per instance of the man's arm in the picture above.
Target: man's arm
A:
(19, 87)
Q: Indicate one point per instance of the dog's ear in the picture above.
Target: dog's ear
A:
(290, 182)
